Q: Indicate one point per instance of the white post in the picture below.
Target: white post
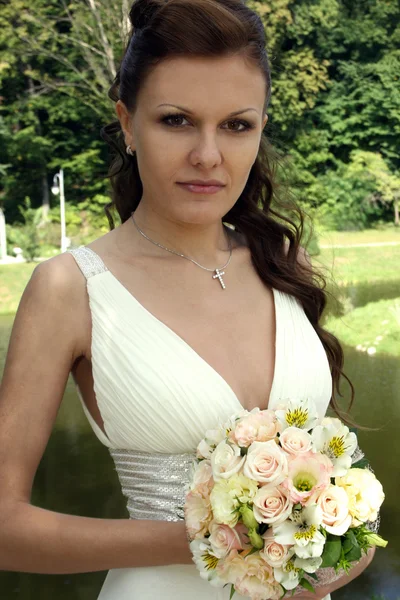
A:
(3, 237)
(62, 211)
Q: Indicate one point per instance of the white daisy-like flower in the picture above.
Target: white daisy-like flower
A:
(288, 575)
(311, 550)
(301, 528)
(301, 413)
(309, 565)
(205, 561)
(336, 441)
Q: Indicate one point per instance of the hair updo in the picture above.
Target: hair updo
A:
(163, 29)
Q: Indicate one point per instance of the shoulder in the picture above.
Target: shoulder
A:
(58, 276)
(57, 288)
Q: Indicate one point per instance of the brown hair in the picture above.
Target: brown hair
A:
(167, 28)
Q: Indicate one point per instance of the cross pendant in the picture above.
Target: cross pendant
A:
(218, 275)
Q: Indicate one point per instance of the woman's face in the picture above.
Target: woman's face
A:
(199, 140)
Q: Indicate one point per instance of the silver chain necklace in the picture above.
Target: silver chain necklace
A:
(217, 272)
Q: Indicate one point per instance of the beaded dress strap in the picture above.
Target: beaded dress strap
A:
(88, 261)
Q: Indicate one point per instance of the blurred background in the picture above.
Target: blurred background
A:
(335, 119)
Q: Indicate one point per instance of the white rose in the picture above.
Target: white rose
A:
(295, 441)
(266, 463)
(334, 504)
(226, 460)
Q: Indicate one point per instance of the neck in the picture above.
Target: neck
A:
(207, 244)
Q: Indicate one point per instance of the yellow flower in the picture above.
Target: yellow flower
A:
(365, 495)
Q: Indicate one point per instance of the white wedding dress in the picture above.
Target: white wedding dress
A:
(157, 397)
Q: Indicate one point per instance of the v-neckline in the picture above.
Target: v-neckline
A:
(189, 347)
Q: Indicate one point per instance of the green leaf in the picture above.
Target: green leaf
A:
(232, 591)
(350, 540)
(332, 551)
(306, 585)
(313, 576)
(360, 464)
(354, 554)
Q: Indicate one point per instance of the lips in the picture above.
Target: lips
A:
(211, 182)
(201, 189)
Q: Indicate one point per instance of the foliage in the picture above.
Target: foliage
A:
(27, 236)
(334, 114)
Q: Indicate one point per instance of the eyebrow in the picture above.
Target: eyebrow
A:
(233, 114)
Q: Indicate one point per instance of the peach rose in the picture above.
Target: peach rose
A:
(276, 555)
(223, 538)
(295, 441)
(272, 504)
(266, 463)
(259, 426)
(334, 504)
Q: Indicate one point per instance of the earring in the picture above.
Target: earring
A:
(130, 151)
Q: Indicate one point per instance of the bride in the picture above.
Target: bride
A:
(200, 303)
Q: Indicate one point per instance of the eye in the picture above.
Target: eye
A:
(175, 116)
(171, 118)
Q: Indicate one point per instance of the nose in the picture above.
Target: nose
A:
(206, 151)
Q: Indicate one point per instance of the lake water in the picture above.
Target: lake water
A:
(77, 476)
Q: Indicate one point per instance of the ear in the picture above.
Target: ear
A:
(265, 120)
(125, 120)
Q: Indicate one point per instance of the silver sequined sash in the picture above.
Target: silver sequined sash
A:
(155, 484)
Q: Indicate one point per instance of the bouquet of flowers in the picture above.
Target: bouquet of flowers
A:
(275, 499)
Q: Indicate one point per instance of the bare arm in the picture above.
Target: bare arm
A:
(45, 342)
(321, 592)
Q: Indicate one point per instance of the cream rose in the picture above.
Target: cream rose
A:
(295, 441)
(365, 494)
(259, 426)
(334, 504)
(266, 463)
(226, 460)
(272, 505)
(276, 555)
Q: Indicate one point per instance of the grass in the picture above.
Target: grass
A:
(360, 265)
(13, 280)
(375, 325)
(368, 236)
